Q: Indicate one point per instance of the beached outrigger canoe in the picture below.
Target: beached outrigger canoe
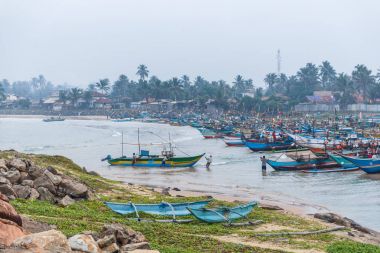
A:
(146, 160)
(369, 165)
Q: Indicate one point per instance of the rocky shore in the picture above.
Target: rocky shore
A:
(50, 204)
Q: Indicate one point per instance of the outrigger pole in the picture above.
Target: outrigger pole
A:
(138, 139)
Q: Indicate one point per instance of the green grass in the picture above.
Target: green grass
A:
(352, 247)
(168, 237)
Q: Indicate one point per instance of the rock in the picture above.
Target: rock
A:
(176, 189)
(12, 175)
(52, 170)
(55, 179)
(3, 180)
(34, 194)
(35, 172)
(84, 243)
(112, 248)
(72, 188)
(106, 241)
(28, 183)
(66, 201)
(32, 226)
(123, 235)
(22, 192)
(23, 176)
(45, 194)
(134, 246)
(94, 173)
(7, 190)
(10, 222)
(3, 164)
(18, 164)
(165, 191)
(47, 241)
(45, 182)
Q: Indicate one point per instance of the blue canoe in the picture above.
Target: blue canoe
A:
(311, 164)
(163, 208)
(369, 165)
(222, 214)
(259, 145)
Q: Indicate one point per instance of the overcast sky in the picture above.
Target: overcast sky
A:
(80, 41)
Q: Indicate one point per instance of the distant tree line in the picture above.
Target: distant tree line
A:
(281, 91)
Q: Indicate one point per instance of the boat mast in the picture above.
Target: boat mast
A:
(138, 139)
(170, 145)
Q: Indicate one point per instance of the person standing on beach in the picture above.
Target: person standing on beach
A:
(263, 163)
(209, 161)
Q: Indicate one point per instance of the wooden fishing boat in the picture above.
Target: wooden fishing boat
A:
(340, 169)
(369, 165)
(222, 214)
(122, 120)
(163, 208)
(316, 163)
(262, 145)
(234, 141)
(146, 160)
(52, 119)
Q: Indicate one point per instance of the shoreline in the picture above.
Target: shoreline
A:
(40, 116)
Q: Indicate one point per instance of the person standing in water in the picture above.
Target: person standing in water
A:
(263, 163)
(209, 161)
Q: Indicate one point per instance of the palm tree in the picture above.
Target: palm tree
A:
(87, 96)
(142, 72)
(176, 87)
(270, 80)
(2, 92)
(327, 75)
(64, 96)
(239, 86)
(345, 85)
(103, 85)
(363, 79)
(74, 95)
(308, 76)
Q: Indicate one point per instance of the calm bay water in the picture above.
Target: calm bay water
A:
(235, 171)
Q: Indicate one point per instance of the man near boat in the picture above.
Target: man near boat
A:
(209, 161)
(263, 163)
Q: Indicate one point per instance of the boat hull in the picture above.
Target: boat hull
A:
(302, 165)
(267, 146)
(165, 209)
(156, 161)
(370, 166)
(222, 214)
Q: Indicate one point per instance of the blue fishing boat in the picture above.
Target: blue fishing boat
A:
(310, 164)
(369, 165)
(263, 145)
(163, 208)
(222, 214)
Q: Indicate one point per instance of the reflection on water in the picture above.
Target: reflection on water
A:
(235, 171)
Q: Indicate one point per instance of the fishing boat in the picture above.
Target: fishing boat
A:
(369, 165)
(122, 120)
(222, 214)
(304, 160)
(163, 208)
(167, 158)
(263, 145)
(233, 141)
(209, 134)
(52, 119)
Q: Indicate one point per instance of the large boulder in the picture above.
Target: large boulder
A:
(47, 241)
(28, 182)
(10, 222)
(72, 188)
(45, 194)
(45, 182)
(66, 201)
(7, 190)
(3, 164)
(35, 172)
(135, 246)
(18, 164)
(55, 179)
(34, 194)
(123, 235)
(22, 192)
(84, 243)
(12, 175)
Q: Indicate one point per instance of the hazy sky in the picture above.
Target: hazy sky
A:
(80, 41)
